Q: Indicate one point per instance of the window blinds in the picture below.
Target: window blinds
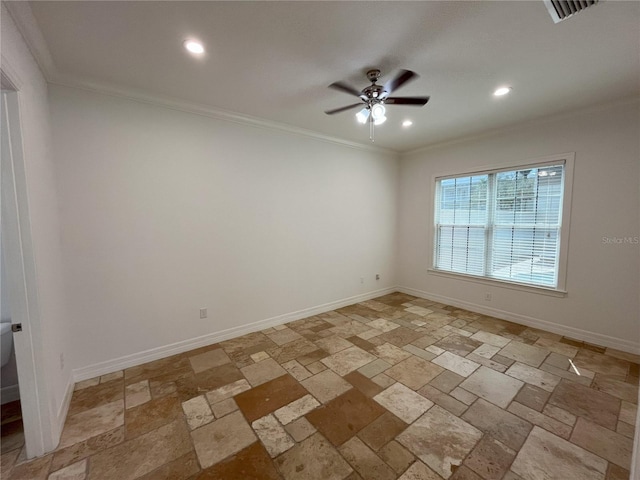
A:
(503, 225)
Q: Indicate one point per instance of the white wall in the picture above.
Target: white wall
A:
(603, 280)
(50, 332)
(165, 212)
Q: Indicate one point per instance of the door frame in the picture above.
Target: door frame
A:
(37, 415)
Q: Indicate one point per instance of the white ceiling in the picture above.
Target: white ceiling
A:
(274, 60)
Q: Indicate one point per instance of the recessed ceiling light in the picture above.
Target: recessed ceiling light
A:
(194, 47)
(407, 123)
(502, 91)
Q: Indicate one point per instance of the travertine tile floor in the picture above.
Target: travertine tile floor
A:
(396, 387)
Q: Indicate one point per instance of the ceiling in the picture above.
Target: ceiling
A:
(274, 60)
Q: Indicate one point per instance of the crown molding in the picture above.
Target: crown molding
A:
(28, 27)
(628, 100)
(206, 111)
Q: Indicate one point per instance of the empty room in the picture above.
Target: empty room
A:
(320, 240)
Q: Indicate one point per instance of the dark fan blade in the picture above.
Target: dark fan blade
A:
(342, 109)
(418, 101)
(403, 77)
(343, 87)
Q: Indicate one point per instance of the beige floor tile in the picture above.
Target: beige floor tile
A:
(490, 458)
(523, 353)
(374, 368)
(300, 429)
(599, 363)
(326, 385)
(560, 414)
(390, 353)
(296, 409)
(396, 456)
(383, 325)
(414, 372)
(224, 407)
(500, 424)
(258, 357)
(586, 402)
(603, 442)
(333, 344)
(197, 411)
(490, 339)
(348, 360)
(284, 336)
(533, 397)
(628, 413)
(533, 376)
(137, 394)
(456, 364)
(364, 461)
(550, 424)
(207, 360)
(262, 372)
(547, 456)
(222, 438)
(557, 347)
(419, 471)
(403, 402)
(75, 471)
(317, 458)
(91, 423)
(486, 350)
(141, 455)
(296, 370)
(493, 386)
(228, 391)
(463, 395)
(616, 387)
(272, 435)
(441, 440)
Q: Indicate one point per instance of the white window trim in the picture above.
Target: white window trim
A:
(561, 289)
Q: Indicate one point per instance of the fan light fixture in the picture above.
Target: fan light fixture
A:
(377, 114)
(502, 91)
(363, 115)
(194, 47)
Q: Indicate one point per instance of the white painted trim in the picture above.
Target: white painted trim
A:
(22, 274)
(27, 25)
(9, 394)
(132, 360)
(572, 332)
(206, 111)
(635, 461)
(61, 415)
(519, 125)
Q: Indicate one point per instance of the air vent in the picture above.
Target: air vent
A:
(563, 9)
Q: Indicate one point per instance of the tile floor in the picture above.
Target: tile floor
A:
(396, 387)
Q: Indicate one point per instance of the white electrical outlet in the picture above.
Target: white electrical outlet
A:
(62, 361)
(203, 313)
(487, 297)
(361, 279)
(377, 276)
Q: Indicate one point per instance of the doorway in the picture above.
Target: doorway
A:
(19, 284)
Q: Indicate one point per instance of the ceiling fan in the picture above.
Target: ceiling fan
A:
(374, 97)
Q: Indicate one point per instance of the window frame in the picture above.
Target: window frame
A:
(560, 289)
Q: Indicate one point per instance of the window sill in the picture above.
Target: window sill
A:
(498, 283)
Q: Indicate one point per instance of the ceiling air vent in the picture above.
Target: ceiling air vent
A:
(563, 9)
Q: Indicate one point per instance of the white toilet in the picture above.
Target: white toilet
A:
(7, 342)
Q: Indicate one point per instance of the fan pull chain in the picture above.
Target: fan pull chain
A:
(371, 130)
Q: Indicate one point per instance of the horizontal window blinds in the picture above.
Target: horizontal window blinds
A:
(503, 225)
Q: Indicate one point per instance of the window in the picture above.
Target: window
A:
(502, 224)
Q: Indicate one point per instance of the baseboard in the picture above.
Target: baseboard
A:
(572, 332)
(132, 360)
(61, 416)
(9, 394)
